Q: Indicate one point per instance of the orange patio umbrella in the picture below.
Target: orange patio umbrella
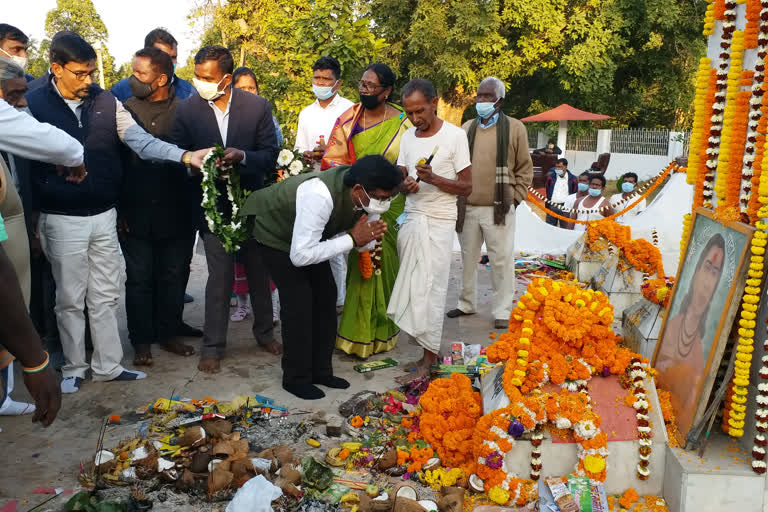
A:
(563, 114)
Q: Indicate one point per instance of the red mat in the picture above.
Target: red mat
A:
(619, 421)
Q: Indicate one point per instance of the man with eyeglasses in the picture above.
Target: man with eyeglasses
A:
(77, 225)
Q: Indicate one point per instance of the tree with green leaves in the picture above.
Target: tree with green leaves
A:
(81, 17)
(635, 61)
(281, 41)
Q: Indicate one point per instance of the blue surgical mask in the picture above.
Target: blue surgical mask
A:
(485, 109)
(174, 69)
(583, 187)
(594, 192)
(627, 187)
(323, 92)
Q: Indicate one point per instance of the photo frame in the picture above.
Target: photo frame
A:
(704, 303)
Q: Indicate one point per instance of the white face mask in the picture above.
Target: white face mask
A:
(376, 206)
(208, 90)
(19, 61)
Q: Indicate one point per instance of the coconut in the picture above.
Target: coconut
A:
(428, 505)
(193, 437)
(218, 480)
(290, 474)
(408, 505)
(476, 484)
(405, 490)
(451, 502)
(431, 464)
(199, 463)
(388, 460)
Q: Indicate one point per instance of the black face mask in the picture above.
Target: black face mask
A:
(139, 89)
(370, 101)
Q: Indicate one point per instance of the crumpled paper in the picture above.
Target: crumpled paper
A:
(256, 495)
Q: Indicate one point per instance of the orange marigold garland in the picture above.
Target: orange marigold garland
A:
(450, 410)
(365, 264)
(752, 27)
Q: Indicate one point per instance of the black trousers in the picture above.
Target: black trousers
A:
(307, 316)
(154, 289)
(218, 290)
(554, 221)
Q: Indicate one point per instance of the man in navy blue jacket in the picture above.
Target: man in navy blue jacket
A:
(241, 122)
(162, 39)
(77, 225)
(560, 184)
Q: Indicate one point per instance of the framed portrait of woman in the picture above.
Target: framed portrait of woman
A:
(704, 304)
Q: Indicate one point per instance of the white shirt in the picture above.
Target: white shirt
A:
(24, 136)
(130, 133)
(451, 158)
(616, 204)
(569, 201)
(314, 206)
(315, 121)
(560, 192)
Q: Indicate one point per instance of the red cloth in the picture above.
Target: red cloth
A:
(240, 283)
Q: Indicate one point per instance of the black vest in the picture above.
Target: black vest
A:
(97, 132)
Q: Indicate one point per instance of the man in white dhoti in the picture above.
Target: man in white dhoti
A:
(434, 155)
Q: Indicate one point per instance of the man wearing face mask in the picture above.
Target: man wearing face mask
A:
(295, 225)
(502, 171)
(317, 120)
(161, 39)
(559, 185)
(153, 221)
(77, 225)
(242, 123)
(13, 46)
(627, 184)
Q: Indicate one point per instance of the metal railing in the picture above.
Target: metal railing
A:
(587, 142)
(533, 139)
(640, 141)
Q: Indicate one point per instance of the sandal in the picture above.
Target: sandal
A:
(143, 356)
(240, 313)
(178, 348)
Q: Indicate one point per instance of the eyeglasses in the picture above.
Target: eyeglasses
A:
(80, 75)
(368, 86)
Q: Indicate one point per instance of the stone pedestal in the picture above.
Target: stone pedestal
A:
(621, 282)
(583, 262)
(641, 326)
(718, 481)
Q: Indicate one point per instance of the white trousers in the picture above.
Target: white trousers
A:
(87, 266)
(339, 270)
(500, 242)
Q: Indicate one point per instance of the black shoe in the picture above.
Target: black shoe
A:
(331, 382)
(484, 260)
(188, 298)
(454, 313)
(305, 391)
(188, 331)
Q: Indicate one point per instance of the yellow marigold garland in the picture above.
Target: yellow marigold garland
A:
(729, 115)
(700, 107)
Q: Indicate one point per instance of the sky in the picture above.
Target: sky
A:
(127, 21)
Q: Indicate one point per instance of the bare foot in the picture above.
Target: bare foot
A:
(209, 366)
(419, 373)
(178, 348)
(273, 347)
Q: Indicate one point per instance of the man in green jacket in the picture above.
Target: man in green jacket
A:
(296, 224)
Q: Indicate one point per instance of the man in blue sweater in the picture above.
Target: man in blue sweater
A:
(163, 40)
(77, 224)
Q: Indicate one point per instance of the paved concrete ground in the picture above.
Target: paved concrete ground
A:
(36, 457)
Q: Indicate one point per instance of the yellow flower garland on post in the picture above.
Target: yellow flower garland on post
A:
(729, 115)
(709, 18)
(700, 105)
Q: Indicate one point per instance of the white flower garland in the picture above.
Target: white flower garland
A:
(232, 234)
(638, 374)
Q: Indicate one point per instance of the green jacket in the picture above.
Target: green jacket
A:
(271, 211)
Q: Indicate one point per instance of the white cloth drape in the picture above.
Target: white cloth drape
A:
(417, 304)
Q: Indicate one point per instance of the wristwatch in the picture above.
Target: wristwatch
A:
(186, 159)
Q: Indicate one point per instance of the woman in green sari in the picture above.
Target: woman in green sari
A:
(373, 126)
